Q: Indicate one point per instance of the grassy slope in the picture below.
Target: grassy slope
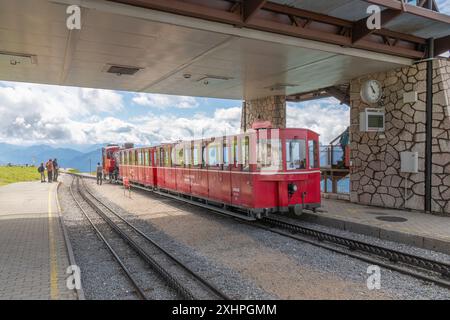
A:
(17, 174)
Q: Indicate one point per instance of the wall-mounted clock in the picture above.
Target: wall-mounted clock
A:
(371, 91)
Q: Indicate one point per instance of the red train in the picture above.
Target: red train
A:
(259, 172)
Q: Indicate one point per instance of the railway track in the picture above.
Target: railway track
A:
(186, 283)
(416, 266)
(419, 267)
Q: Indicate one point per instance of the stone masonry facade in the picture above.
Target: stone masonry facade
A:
(375, 174)
(271, 109)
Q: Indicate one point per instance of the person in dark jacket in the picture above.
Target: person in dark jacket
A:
(55, 170)
(99, 174)
(41, 170)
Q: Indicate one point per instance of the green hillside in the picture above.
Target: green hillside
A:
(18, 174)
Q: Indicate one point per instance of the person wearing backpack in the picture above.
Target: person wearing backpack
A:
(41, 170)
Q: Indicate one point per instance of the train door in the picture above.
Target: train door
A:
(146, 168)
(214, 166)
(160, 167)
(236, 170)
(187, 165)
(178, 166)
(170, 176)
(247, 172)
(313, 194)
(225, 173)
(195, 168)
(153, 170)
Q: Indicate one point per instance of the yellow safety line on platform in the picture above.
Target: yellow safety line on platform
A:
(54, 294)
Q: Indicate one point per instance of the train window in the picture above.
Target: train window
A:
(295, 154)
(312, 148)
(226, 156)
(146, 158)
(195, 161)
(245, 147)
(161, 157)
(203, 156)
(187, 155)
(167, 156)
(235, 151)
(213, 154)
(179, 155)
(269, 154)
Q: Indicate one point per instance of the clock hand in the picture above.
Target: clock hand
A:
(373, 90)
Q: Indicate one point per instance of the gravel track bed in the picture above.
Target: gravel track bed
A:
(224, 279)
(101, 276)
(151, 283)
(325, 264)
(185, 278)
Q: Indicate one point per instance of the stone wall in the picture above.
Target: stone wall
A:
(375, 176)
(271, 109)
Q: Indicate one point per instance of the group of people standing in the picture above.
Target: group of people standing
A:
(52, 170)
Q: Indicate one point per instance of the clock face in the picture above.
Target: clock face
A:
(371, 91)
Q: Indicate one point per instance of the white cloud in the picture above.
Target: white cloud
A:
(167, 128)
(46, 114)
(162, 101)
(325, 117)
(40, 114)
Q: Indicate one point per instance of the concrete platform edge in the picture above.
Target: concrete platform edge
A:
(80, 292)
(384, 234)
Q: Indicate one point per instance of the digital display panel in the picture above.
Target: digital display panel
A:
(375, 121)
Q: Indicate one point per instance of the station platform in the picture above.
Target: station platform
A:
(34, 254)
(409, 227)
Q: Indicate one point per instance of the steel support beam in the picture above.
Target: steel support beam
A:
(250, 7)
(360, 29)
(276, 18)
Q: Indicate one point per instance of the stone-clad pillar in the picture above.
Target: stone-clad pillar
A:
(271, 109)
(375, 177)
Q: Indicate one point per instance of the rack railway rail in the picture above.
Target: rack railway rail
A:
(416, 266)
(185, 282)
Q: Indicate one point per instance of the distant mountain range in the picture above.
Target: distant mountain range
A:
(67, 157)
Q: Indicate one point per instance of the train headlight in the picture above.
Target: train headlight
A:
(292, 188)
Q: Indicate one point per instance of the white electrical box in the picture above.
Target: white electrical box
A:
(372, 120)
(409, 162)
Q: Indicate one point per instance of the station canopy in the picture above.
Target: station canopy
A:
(213, 48)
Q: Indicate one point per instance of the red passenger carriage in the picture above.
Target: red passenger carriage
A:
(262, 171)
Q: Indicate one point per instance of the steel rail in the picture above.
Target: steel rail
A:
(172, 280)
(127, 272)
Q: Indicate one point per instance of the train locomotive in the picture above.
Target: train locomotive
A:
(255, 173)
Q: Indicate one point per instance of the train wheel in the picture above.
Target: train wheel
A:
(297, 210)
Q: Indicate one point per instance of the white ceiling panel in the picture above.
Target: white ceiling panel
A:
(252, 61)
